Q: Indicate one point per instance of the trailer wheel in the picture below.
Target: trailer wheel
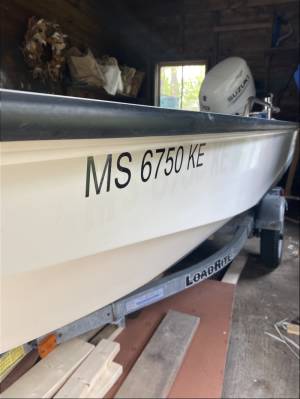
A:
(271, 247)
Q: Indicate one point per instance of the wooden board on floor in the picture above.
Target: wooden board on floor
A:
(111, 331)
(205, 358)
(293, 329)
(90, 334)
(154, 373)
(234, 271)
(20, 369)
(47, 376)
(88, 373)
(105, 381)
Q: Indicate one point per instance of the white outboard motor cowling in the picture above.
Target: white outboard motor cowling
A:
(227, 87)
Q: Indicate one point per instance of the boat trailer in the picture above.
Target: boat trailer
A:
(266, 221)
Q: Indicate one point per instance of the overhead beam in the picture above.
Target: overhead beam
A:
(239, 27)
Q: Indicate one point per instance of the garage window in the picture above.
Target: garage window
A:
(178, 84)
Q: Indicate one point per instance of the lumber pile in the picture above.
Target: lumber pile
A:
(96, 375)
(75, 369)
(84, 367)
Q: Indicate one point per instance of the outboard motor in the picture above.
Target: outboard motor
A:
(227, 87)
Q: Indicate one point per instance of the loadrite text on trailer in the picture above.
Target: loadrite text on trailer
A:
(155, 163)
(219, 264)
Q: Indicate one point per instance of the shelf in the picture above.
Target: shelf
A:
(100, 94)
(277, 50)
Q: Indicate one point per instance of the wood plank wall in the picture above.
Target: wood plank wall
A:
(143, 32)
(213, 30)
(82, 20)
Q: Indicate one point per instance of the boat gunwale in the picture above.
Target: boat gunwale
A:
(37, 116)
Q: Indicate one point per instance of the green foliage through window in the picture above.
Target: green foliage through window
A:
(180, 86)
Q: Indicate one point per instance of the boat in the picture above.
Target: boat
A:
(98, 198)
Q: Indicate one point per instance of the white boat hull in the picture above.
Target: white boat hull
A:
(68, 251)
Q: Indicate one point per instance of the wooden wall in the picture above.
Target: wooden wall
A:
(144, 32)
(84, 21)
(213, 30)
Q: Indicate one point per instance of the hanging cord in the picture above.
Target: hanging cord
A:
(285, 36)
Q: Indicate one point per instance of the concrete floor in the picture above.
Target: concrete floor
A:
(257, 366)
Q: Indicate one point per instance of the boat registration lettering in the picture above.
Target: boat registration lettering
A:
(210, 270)
(154, 163)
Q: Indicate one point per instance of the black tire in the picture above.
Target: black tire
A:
(271, 248)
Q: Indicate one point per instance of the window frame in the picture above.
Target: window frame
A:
(161, 64)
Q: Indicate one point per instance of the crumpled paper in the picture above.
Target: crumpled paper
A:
(112, 73)
(84, 68)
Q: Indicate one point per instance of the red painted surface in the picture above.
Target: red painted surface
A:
(202, 371)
